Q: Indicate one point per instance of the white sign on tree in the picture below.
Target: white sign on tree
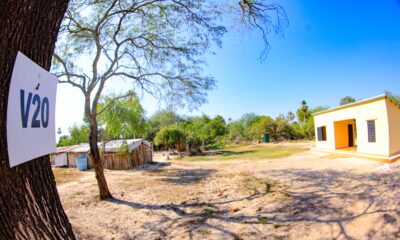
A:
(31, 112)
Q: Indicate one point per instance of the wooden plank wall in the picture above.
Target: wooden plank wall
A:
(141, 155)
(116, 161)
(112, 161)
(119, 161)
(71, 158)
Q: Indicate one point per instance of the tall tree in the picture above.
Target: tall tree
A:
(170, 137)
(157, 45)
(30, 207)
(303, 113)
(154, 44)
(263, 124)
(290, 117)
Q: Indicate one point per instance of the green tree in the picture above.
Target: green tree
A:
(247, 121)
(170, 137)
(34, 29)
(156, 45)
(347, 100)
(161, 119)
(282, 128)
(77, 135)
(305, 129)
(236, 130)
(261, 125)
(303, 113)
(122, 117)
(194, 134)
(218, 127)
(290, 117)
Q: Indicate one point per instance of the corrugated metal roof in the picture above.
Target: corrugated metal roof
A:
(82, 148)
(65, 149)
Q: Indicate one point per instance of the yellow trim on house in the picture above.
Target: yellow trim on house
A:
(358, 103)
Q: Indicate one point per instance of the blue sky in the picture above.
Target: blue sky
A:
(331, 49)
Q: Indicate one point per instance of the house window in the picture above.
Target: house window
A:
(371, 131)
(321, 131)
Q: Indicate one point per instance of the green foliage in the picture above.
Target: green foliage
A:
(160, 119)
(347, 100)
(303, 113)
(250, 153)
(123, 117)
(236, 131)
(77, 135)
(282, 130)
(123, 148)
(205, 128)
(305, 129)
(169, 136)
(260, 125)
(290, 117)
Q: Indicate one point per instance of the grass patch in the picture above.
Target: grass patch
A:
(237, 145)
(208, 210)
(249, 153)
(222, 145)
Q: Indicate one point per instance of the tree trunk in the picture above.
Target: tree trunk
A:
(97, 164)
(30, 207)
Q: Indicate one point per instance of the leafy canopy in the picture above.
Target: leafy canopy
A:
(123, 117)
(77, 135)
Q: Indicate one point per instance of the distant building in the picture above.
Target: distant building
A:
(368, 128)
(139, 152)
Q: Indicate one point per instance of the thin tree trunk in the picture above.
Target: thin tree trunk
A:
(30, 207)
(97, 165)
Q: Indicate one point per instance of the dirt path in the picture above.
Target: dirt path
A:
(306, 196)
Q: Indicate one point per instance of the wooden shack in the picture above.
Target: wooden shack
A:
(60, 157)
(139, 152)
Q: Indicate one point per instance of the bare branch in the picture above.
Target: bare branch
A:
(68, 75)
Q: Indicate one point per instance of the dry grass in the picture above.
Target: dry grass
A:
(249, 152)
(65, 175)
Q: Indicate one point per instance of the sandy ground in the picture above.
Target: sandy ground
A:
(309, 195)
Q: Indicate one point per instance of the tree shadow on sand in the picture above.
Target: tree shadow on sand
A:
(325, 198)
(181, 176)
(328, 197)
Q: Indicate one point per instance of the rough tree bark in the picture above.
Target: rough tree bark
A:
(30, 207)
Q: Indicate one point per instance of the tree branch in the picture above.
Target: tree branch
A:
(129, 94)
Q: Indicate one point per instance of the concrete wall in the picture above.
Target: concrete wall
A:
(394, 127)
(373, 110)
